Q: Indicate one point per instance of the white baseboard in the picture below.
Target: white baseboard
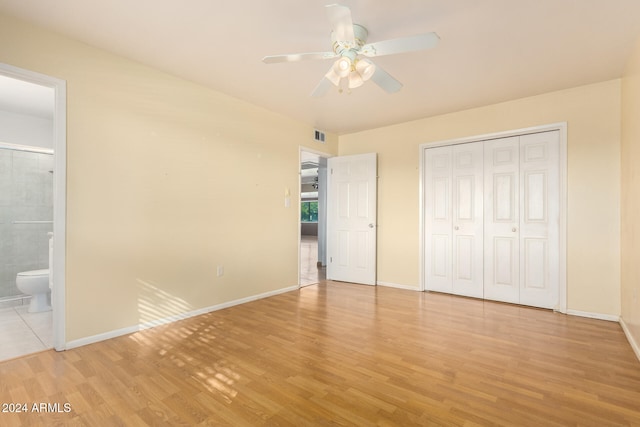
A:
(395, 285)
(635, 345)
(135, 328)
(599, 316)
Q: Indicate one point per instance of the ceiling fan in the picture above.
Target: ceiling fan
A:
(349, 43)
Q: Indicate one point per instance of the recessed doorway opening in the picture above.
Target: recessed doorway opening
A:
(33, 138)
(312, 227)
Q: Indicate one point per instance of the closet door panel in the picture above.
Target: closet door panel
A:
(467, 208)
(438, 219)
(539, 227)
(501, 220)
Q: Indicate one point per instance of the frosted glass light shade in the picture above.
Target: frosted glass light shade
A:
(342, 66)
(365, 68)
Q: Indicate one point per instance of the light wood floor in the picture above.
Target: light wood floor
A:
(342, 354)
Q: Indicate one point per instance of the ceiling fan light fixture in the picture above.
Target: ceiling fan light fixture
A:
(355, 80)
(361, 71)
(365, 69)
(342, 67)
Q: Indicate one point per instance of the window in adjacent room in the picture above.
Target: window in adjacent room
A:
(309, 211)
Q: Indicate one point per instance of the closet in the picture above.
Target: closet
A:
(491, 219)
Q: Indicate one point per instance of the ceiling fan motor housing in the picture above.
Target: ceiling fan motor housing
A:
(348, 48)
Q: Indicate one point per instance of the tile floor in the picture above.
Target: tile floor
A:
(310, 274)
(23, 333)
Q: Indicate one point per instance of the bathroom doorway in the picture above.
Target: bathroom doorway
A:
(313, 208)
(32, 211)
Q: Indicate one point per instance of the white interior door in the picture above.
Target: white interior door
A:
(522, 219)
(539, 219)
(467, 203)
(502, 220)
(453, 221)
(351, 219)
(438, 219)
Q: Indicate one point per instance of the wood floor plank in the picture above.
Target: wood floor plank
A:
(342, 354)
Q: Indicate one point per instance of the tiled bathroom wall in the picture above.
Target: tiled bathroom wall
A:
(26, 214)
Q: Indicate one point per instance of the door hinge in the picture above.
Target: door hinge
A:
(330, 259)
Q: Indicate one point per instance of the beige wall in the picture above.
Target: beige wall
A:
(166, 180)
(631, 196)
(592, 114)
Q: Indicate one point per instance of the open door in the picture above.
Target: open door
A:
(351, 218)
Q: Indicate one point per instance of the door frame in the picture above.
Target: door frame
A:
(58, 294)
(561, 127)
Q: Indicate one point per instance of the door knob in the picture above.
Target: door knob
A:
(456, 228)
(371, 225)
(514, 229)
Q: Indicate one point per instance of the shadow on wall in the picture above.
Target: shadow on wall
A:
(157, 307)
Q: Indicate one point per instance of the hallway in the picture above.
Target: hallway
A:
(310, 272)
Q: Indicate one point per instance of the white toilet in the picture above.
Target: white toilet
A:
(36, 284)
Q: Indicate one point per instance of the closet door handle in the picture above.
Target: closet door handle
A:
(456, 228)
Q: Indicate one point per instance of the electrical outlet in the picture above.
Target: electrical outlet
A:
(220, 271)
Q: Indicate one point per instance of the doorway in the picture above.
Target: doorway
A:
(312, 218)
(37, 132)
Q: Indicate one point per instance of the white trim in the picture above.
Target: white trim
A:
(634, 344)
(563, 227)
(561, 127)
(496, 135)
(397, 286)
(170, 319)
(58, 296)
(316, 152)
(590, 315)
(421, 218)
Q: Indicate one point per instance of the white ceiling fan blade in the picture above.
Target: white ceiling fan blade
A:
(333, 77)
(341, 23)
(385, 81)
(322, 88)
(295, 57)
(401, 45)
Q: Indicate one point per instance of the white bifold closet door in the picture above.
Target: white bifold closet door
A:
(492, 219)
(522, 202)
(454, 221)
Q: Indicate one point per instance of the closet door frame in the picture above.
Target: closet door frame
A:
(562, 244)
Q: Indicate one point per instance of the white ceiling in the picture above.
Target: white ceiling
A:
(490, 50)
